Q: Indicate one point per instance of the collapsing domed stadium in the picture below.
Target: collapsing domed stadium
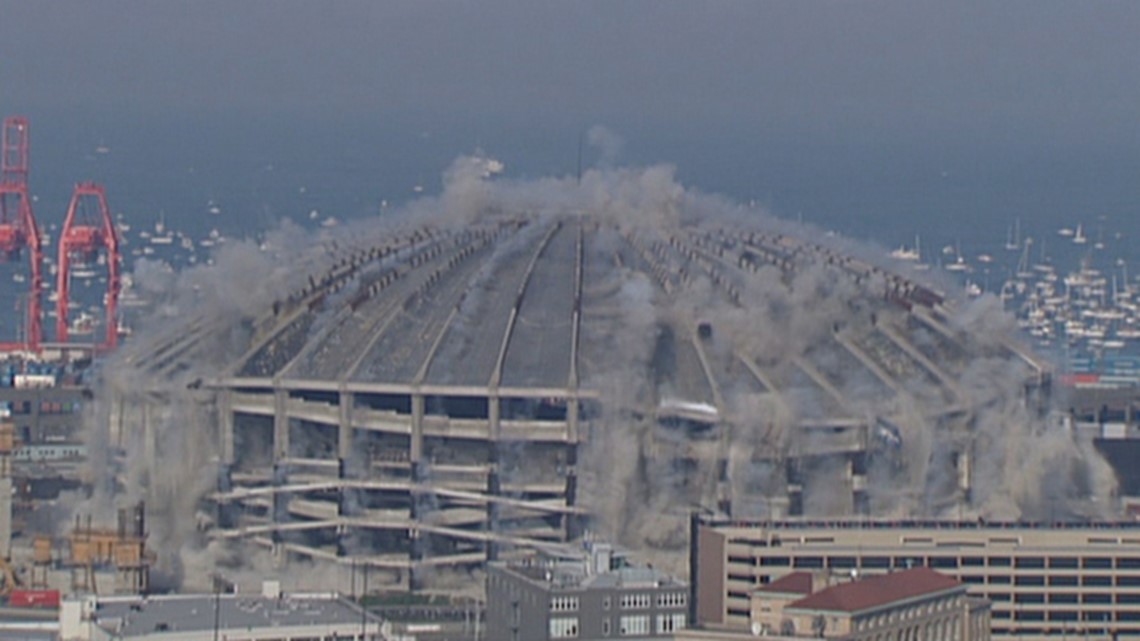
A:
(513, 362)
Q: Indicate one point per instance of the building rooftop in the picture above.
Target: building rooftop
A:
(595, 566)
(794, 583)
(878, 591)
(133, 616)
(562, 575)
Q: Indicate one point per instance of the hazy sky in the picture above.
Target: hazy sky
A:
(1011, 72)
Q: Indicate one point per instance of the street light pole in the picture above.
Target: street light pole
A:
(363, 608)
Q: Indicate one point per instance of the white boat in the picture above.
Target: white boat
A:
(1079, 236)
(959, 264)
(1013, 238)
(913, 254)
(84, 324)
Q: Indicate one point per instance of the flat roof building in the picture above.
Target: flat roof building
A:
(1078, 579)
(590, 596)
(206, 617)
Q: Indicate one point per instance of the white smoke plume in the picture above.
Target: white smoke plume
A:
(641, 471)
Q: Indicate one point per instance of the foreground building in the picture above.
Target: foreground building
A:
(593, 595)
(1080, 579)
(915, 604)
(269, 616)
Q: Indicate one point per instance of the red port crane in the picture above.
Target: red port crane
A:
(88, 229)
(18, 230)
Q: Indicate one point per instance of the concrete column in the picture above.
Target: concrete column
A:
(226, 426)
(347, 502)
(417, 442)
(492, 524)
(570, 526)
(150, 447)
(344, 423)
(115, 419)
(494, 417)
(964, 478)
(574, 433)
(280, 509)
(280, 425)
(227, 518)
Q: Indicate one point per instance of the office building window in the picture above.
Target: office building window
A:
(564, 604)
(639, 601)
(671, 600)
(1062, 615)
(840, 561)
(670, 622)
(564, 628)
(634, 625)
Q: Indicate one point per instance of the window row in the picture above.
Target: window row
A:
(944, 562)
(638, 601)
(564, 628)
(563, 604)
(1066, 615)
(1064, 597)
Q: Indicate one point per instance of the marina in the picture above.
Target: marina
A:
(1073, 300)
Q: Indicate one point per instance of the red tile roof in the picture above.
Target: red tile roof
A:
(795, 583)
(877, 591)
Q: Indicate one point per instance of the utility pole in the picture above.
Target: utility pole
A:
(363, 608)
(217, 608)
